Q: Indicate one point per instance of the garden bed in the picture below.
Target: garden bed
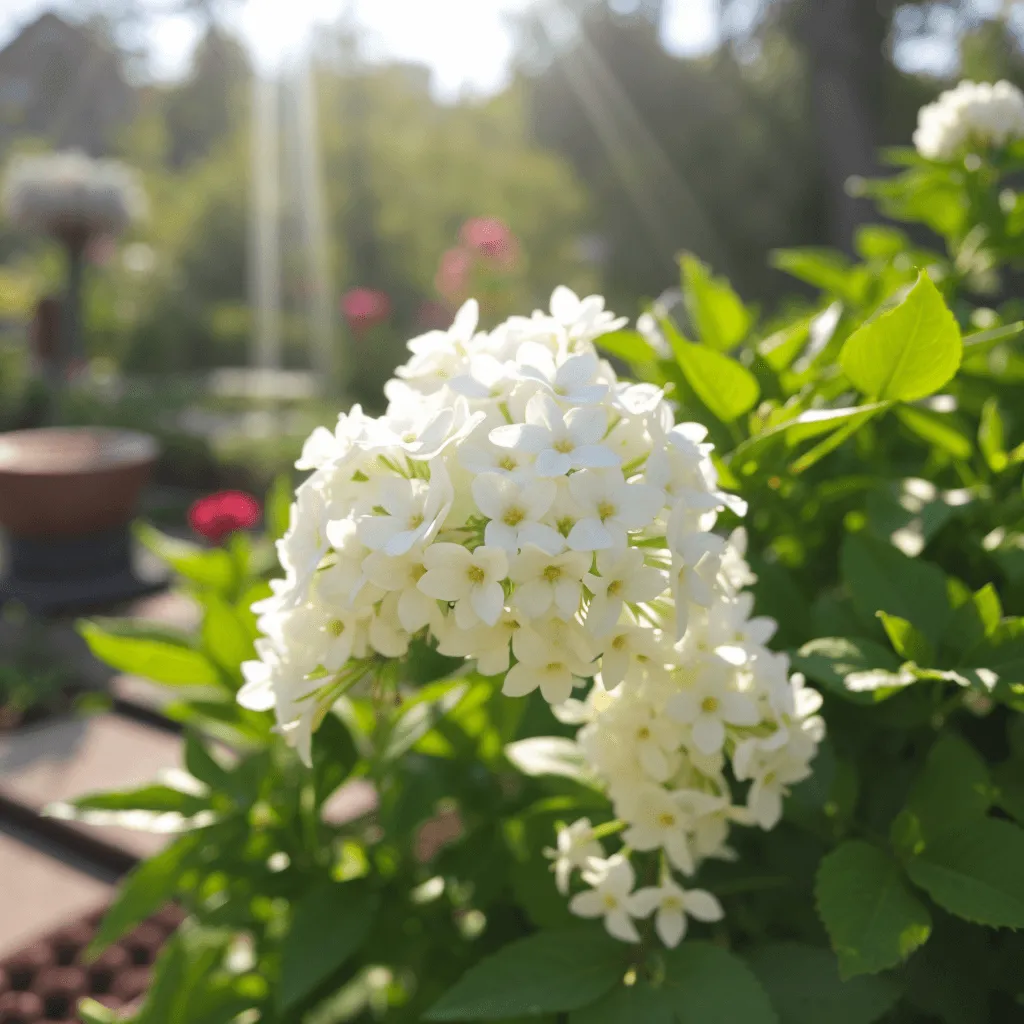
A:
(45, 980)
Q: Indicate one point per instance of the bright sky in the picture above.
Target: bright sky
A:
(465, 42)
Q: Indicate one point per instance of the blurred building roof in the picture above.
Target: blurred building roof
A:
(58, 82)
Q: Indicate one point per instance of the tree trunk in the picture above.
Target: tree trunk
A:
(843, 41)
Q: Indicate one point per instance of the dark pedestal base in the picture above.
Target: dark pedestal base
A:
(74, 574)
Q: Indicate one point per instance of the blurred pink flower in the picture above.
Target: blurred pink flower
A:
(365, 307)
(452, 279)
(492, 239)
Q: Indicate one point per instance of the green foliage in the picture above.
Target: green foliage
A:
(805, 987)
(907, 353)
(974, 872)
(886, 528)
(550, 972)
(872, 917)
(329, 924)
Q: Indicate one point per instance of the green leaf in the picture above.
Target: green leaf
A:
(825, 269)
(975, 873)
(550, 755)
(953, 789)
(906, 640)
(334, 756)
(833, 441)
(828, 661)
(152, 884)
(809, 424)
(805, 988)
(728, 389)
(710, 985)
(91, 1012)
(1009, 782)
(226, 637)
(909, 352)
(880, 578)
(717, 312)
(551, 972)
(154, 797)
(201, 764)
(635, 1004)
(329, 924)
(983, 341)
(209, 567)
(629, 346)
(992, 437)
(935, 429)
(421, 715)
(974, 621)
(186, 983)
(778, 350)
(158, 660)
(873, 919)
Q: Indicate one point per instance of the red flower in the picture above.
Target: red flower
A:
(364, 307)
(217, 515)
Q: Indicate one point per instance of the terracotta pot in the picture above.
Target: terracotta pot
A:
(71, 482)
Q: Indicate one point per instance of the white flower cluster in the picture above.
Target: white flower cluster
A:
(972, 114)
(527, 510)
(69, 192)
(671, 728)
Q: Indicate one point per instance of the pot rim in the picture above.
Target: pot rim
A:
(136, 449)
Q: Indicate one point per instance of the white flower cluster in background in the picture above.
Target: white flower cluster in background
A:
(974, 114)
(529, 511)
(69, 192)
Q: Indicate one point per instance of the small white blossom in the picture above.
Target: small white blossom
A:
(612, 883)
(671, 904)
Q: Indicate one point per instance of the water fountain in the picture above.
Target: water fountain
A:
(68, 494)
(284, 121)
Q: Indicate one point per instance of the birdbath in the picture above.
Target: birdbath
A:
(68, 494)
(74, 199)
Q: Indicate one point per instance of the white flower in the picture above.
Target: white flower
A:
(514, 507)
(630, 649)
(576, 846)
(471, 579)
(622, 577)
(572, 380)
(550, 658)
(402, 573)
(609, 508)
(733, 633)
(410, 513)
(560, 442)
(671, 904)
(612, 883)
(708, 705)
(974, 114)
(658, 821)
(543, 580)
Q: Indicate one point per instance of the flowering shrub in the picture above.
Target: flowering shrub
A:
(517, 501)
(531, 632)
